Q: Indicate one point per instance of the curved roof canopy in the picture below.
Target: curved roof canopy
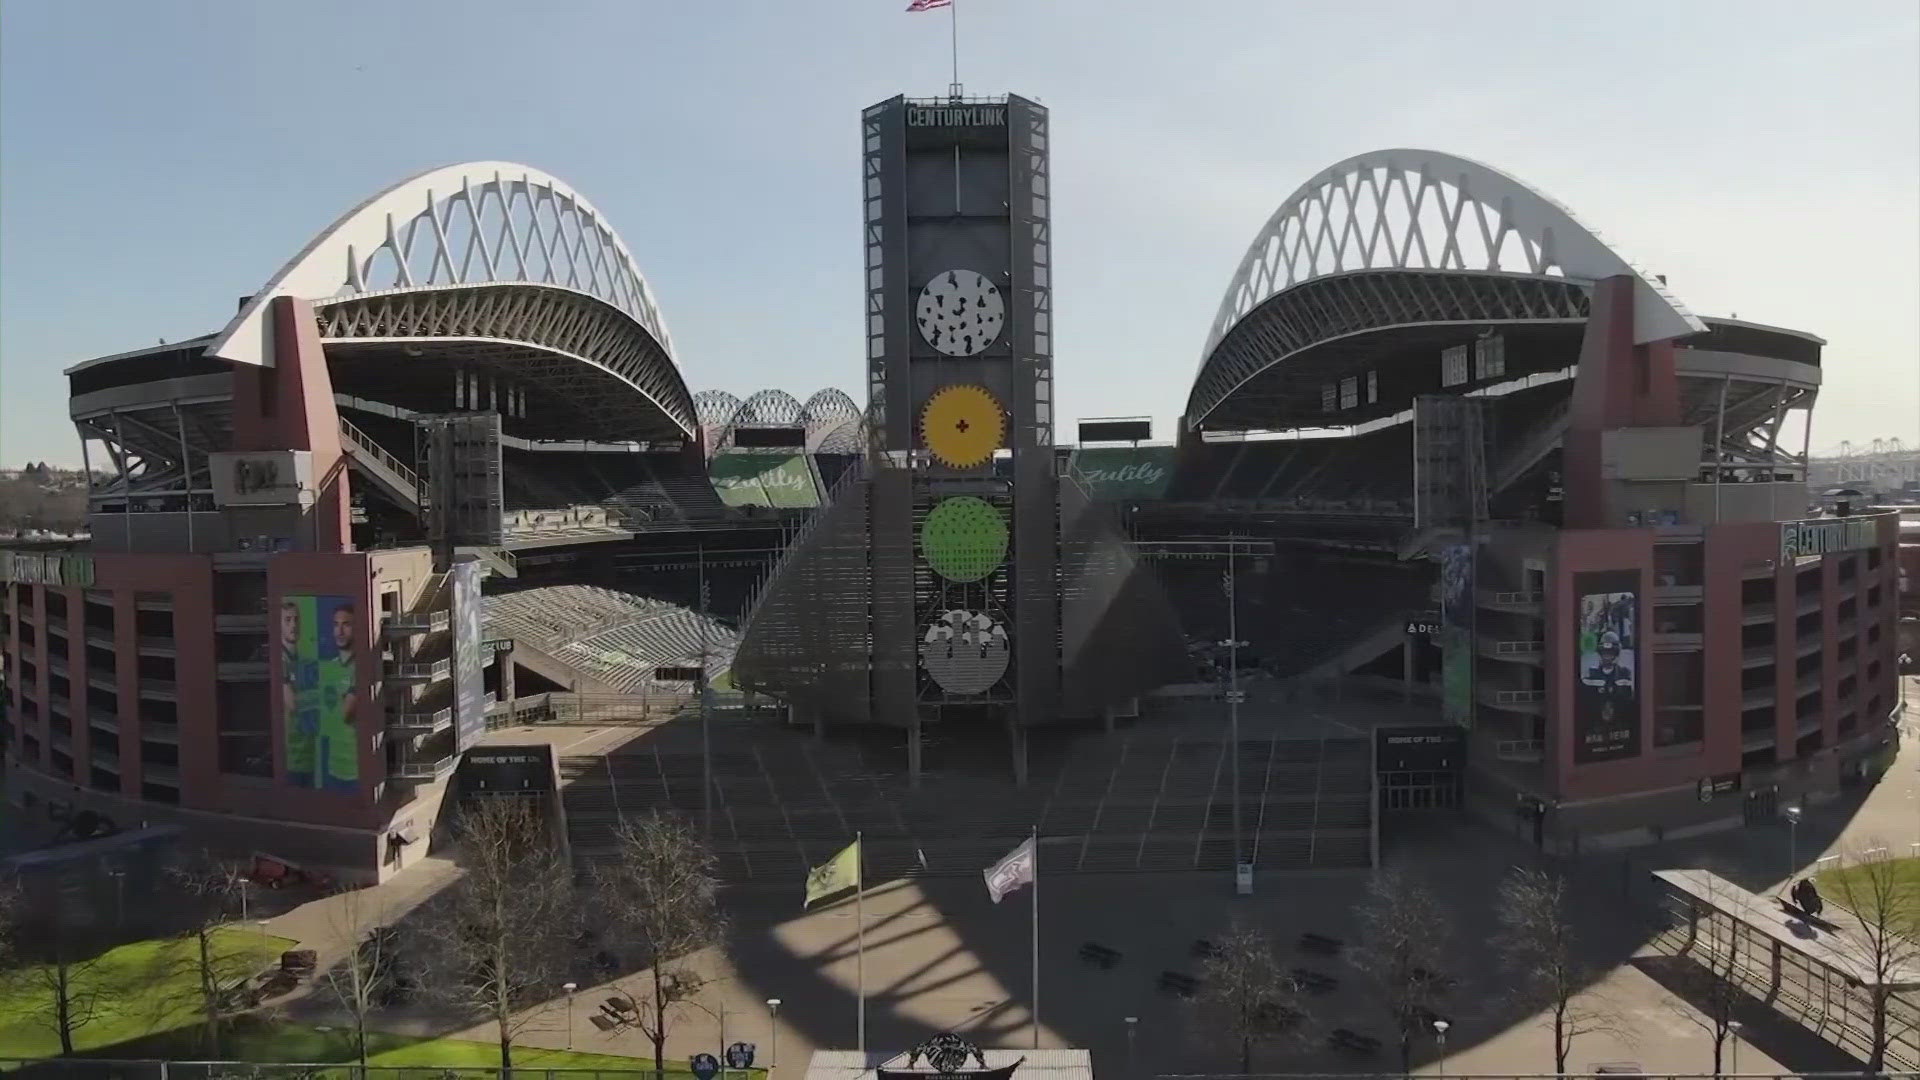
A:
(1420, 211)
(478, 225)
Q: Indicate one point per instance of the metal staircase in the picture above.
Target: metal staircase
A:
(399, 482)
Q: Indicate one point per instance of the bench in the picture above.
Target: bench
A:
(1320, 944)
(299, 961)
(1095, 953)
(1318, 982)
(1434, 980)
(1173, 982)
(1276, 1017)
(1352, 1041)
(1205, 950)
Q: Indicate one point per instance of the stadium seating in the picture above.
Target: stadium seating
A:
(1369, 475)
(615, 638)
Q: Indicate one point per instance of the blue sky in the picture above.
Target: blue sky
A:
(160, 159)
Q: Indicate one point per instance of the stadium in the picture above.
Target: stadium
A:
(1464, 511)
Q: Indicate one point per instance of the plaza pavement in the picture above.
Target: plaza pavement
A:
(940, 956)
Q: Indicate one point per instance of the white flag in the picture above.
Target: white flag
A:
(1011, 872)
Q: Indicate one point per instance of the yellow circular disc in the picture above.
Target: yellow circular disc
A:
(962, 426)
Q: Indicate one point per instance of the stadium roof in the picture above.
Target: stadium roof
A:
(1409, 238)
(490, 265)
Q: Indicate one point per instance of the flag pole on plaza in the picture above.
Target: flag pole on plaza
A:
(1035, 841)
(860, 949)
(846, 870)
(1018, 867)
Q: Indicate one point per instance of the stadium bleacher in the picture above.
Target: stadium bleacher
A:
(1360, 475)
(615, 638)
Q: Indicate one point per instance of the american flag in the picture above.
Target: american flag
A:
(928, 5)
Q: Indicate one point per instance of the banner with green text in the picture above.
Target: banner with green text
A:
(1125, 472)
(782, 481)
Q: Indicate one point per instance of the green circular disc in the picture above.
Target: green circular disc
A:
(964, 538)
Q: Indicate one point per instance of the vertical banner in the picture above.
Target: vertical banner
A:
(1606, 689)
(469, 659)
(1456, 634)
(320, 691)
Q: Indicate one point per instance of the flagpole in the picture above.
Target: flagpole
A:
(860, 957)
(953, 25)
(1036, 937)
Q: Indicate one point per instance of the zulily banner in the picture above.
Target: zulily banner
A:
(769, 480)
(1456, 634)
(1606, 689)
(1125, 472)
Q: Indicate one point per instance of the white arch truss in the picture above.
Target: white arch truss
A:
(1424, 210)
(481, 222)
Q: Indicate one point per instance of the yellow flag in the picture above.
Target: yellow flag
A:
(840, 872)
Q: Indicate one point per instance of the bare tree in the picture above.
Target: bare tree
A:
(658, 897)
(1883, 946)
(1246, 994)
(364, 975)
(218, 960)
(13, 914)
(1540, 955)
(498, 939)
(59, 972)
(1403, 938)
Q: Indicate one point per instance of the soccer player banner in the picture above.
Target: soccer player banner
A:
(1606, 689)
(320, 700)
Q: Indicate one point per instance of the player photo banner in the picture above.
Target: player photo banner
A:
(320, 706)
(1606, 686)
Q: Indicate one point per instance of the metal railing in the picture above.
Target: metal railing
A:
(796, 543)
(431, 669)
(106, 1069)
(358, 440)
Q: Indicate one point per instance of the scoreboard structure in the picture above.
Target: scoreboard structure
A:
(968, 578)
(960, 376)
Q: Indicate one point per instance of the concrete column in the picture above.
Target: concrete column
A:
(1406, 671)
(1017, 740)
(505, 659)
(1106, 719)
(913, 751)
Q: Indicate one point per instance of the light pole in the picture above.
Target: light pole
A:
(1793, 840)
(119, 897)
(1133, 1022)
(569, 988)
(721, 1018)
(1733, 1046)
(1233, 644)
(773, 1035)
(1440, 1035)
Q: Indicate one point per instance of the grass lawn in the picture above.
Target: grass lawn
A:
(262, 1041)
(142, 988)
(1832, 884)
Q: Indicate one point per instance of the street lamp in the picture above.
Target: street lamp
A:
(1733, 1044)
(1440, 1035)
(1233, 645)
(1793, 840)
(773, 1035)
(569, 988)
(721, 1018)
(1133, 1022)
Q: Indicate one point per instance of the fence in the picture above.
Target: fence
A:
(98, 1069)
(102, 1069)
(571, 708)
